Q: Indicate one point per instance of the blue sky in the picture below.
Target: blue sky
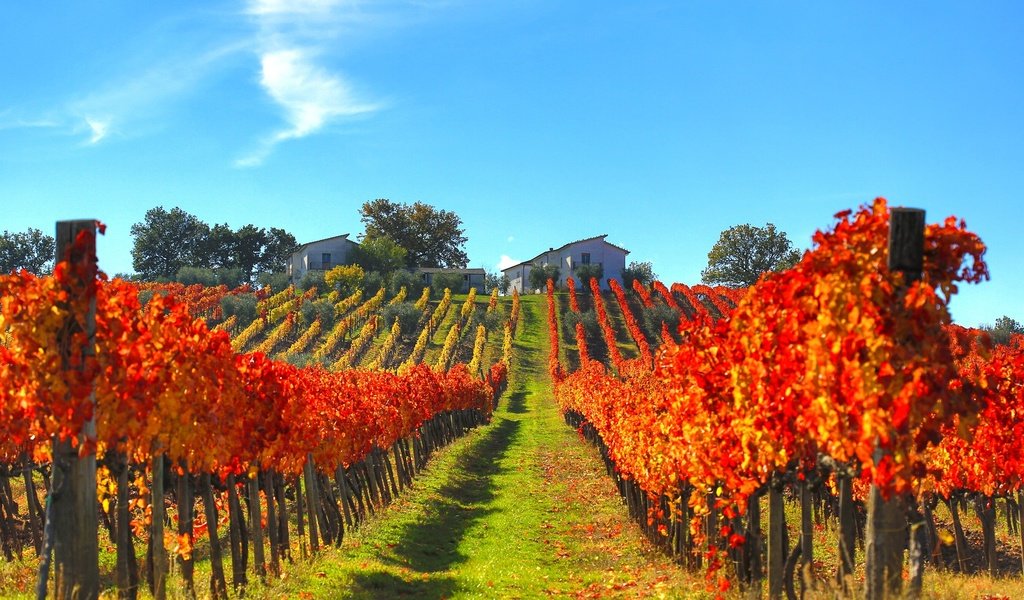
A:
(538, 122)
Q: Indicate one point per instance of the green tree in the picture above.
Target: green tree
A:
(452, 281)
(494, 280)
(166, 241)
(584, 273)
(31, 250)
(412, 283)
(277, 249)
(1003, 330)
(638, 271)
(744, 252)
(431, 237)
(539, 275)
(379, 254)
(406, 313)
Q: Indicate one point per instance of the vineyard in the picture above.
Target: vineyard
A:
(839, 385)
(248, 430)
(145, 400)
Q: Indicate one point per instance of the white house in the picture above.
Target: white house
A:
(591, 251)
(321, 255)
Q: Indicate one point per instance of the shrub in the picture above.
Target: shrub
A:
(275, 281)
(323, 309)
(540, 274)
(312, 279)
(241, 306)
(584, 273)
(406, 313)
(452, 281)
(402, 278)
(346, 279)
(196, 275)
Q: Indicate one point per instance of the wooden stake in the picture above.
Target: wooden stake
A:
(75, 535)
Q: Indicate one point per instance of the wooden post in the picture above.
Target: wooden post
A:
(127, 569)
(160, 566)
(887, 522)
(73, 492)
(218, 584)
(847, 530)
(777, 549)
(1020, 522)
(256, 526)
(806, 535)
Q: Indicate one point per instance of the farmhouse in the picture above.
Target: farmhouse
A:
(321, 255)
(590, 251)
(470, 277)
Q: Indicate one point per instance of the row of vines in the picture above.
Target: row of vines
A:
(134, 406)
(840, 383)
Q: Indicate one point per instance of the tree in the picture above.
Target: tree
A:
(494, 280)
(31, 250)
(744, 252)
(166, 241)
(1003, 330)
(344, 278)
(584, 273)
(638, 271)
(379, 254)
(277, 249)
(402, 278)
(539, 275)
(430, 237)
(452, 281)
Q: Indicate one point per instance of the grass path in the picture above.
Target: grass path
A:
(520, 508)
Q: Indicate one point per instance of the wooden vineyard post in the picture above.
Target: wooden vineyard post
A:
(887, 522)
(777, 549)
(806, 535)
(72, 508)
(847, 533)
(256, 526)
(1020, 523)
(159, 560)
(218, 584)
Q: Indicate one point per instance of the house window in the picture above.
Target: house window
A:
(585, 258)
(325, 259)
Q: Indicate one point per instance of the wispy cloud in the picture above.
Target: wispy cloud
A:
(291, 7)
(9, 121)
(292, 38)
(137, 100)
(99, 128)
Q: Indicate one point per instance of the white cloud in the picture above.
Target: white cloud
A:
(293, 34)
(291, 7)
(7, 121)
(99, 129)
(507, 261)
(310, 96)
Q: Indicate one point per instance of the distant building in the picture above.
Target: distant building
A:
(470, 277)
(321, 255)
(591, 251)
